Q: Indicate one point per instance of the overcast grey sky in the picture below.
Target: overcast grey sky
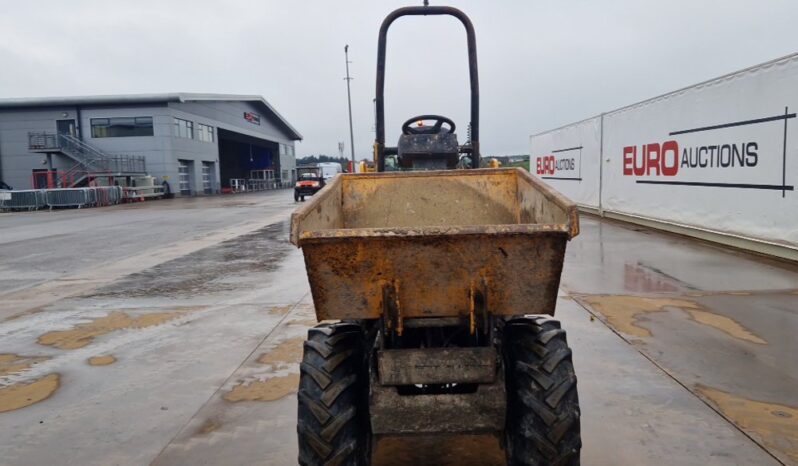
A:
(542, 63)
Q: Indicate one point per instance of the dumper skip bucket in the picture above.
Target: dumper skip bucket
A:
(437, 241)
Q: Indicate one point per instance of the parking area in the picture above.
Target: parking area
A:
(170, 332)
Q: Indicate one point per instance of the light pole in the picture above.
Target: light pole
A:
(349, 99)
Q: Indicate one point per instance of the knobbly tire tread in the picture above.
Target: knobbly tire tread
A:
(331, 408)
(543, 425)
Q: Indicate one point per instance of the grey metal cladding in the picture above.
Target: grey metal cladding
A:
(265, 107)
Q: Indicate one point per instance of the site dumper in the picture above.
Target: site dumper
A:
(310, 180)
(435, 287)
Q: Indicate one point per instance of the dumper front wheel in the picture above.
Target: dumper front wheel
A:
(332, 394)
(542, 403)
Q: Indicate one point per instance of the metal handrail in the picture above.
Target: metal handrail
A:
(89, 159)
(74, 146)
(78, 169)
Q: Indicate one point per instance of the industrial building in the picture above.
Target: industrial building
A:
(192, 143)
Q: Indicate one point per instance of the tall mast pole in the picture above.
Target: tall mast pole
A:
(349, 99)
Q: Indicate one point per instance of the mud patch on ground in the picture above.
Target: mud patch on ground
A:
(303, 322)
(279, 310)
(101, 360)
(21, 395)
(721, 293)
(624, 314)
(287, 352)
(440, 450)
(214, 269)
(14, 363)
(264, 390)
(775, 425)
(209, 426)
(83, 334)
(28, 313)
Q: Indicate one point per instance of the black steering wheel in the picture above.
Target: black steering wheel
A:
(437, 128)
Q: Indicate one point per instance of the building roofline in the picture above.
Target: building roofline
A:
(180, 97)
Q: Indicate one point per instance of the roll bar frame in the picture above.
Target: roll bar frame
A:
(380, 151)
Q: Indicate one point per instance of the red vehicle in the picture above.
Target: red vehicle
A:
(309, 181)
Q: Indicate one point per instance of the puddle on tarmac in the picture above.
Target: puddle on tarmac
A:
(287, 352)
(14, 363)
(774, 424)
(23, 394)
(101, 360)
(279, 310)
(623, 313)
(83, 334)
(264, 390)
(641, 278)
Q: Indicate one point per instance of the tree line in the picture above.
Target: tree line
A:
(505, 160)
(321, 158)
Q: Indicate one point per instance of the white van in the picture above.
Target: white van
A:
(329, 169)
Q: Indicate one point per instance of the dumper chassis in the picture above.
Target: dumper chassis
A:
(436, 288)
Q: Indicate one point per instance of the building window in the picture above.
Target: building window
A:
(184, 128)
(121, 127)
(204, 132)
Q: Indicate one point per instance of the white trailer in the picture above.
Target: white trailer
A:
(717, 160)
(329, 169)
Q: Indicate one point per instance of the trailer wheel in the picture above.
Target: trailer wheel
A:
(332, 416)
(542, 402)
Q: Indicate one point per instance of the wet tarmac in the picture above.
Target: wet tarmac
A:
(721, 323)
(181, 346)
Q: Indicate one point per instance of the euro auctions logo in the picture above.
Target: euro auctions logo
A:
(666, 159)
(560, 164)
(550, 165)
(251, 117)
(748, 154)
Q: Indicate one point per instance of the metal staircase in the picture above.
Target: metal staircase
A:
(89, 160)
